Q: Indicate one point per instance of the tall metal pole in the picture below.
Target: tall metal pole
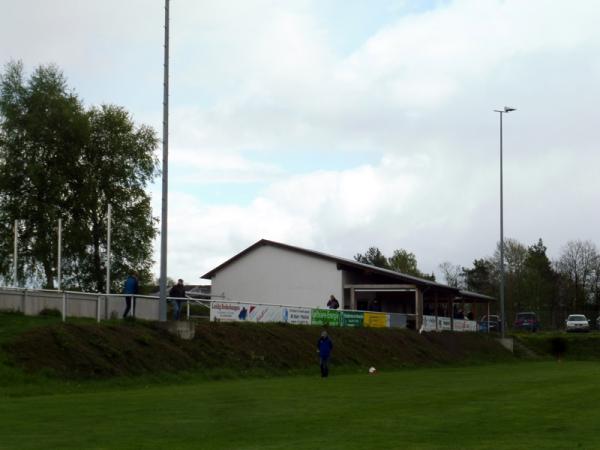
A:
(502, 315)
(162, 305)
(16, 232)
(59, 262)
(503, 320)
(108, 226)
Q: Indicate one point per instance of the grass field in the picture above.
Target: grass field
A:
(522, 405)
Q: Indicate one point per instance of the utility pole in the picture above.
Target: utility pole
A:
(162, 305)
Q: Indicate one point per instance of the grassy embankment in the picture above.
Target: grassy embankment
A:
(111, 386)
(34, 350)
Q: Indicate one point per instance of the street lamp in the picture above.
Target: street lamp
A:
(506, 110)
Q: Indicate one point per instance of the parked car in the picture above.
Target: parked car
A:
(494, 323)
(577, 322)
(527, 321)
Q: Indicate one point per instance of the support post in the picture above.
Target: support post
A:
(108, 228)
(352, 299)
(418, 309)
(64, 306)
(435, 305)
(59, 262)
(451, 306)
(16, 240)
(187, 306)
(98, 303)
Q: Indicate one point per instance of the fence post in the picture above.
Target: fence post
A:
(98, 303)
(64, 306)
(187, 305)
(24, 301)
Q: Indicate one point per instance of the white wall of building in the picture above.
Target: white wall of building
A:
(274, 275)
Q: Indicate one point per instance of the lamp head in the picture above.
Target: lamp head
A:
(508, 109)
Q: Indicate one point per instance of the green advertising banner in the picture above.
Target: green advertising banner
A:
(353, 318)
(329, 317)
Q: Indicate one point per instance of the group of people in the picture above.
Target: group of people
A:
(131, 288)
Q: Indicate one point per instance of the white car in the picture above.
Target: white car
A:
(578, 322)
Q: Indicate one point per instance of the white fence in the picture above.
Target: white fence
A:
(112, 306)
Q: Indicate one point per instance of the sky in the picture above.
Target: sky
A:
(340, 125)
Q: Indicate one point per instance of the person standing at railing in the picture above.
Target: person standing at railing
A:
(333, 303)
(177, 291)
(130, 289)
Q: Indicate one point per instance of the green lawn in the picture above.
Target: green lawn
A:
(521, 406)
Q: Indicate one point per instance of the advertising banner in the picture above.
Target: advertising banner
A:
(465, 325)
(444, 324)
(240, 312)
(329, 317)
(429, 323)
(353, 318)
(227, 312)
(264, 313)
(296, 316)
(397, 320)
(376, 320)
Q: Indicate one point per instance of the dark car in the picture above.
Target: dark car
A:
(527, 321)
(493, 324)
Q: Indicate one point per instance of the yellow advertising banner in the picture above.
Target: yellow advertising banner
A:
(376, 320)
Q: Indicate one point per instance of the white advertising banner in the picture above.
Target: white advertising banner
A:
(226, 312)
(296, 316)
(264, 313)
(245, 312)
(429, 323)
(444, 324)
(465, 325)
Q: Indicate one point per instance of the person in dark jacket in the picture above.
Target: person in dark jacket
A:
(333, 303)
(177, 291)
(324, 347)
(130, 288)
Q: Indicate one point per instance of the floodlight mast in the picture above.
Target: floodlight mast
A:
(503, 322)
(162, 302)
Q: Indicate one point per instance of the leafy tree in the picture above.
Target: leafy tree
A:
(43, 127)
(374, 257)
(480, 278)
(59, 161)
(118, 163)
(401, 261)
(540, 282)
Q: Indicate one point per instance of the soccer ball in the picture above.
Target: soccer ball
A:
(372, 371)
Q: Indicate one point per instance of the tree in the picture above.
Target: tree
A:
(540, 283)
(577, 264)
(374, 257)
(117, 164)
(453, 274)
(480, 278)
(401, 261)
(43, 127)
(59, 161)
